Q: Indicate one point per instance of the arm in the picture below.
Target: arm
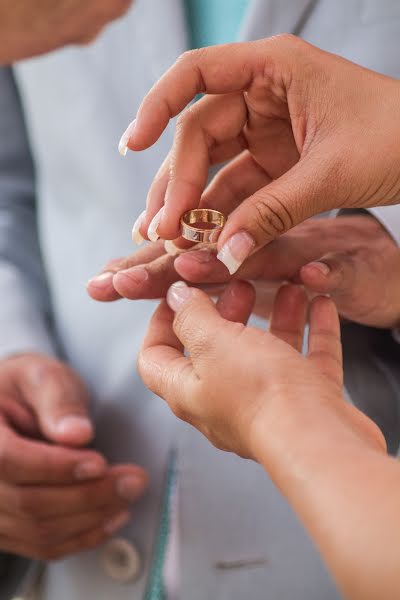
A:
(254, 393)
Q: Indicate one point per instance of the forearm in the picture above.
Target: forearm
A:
(346, 493)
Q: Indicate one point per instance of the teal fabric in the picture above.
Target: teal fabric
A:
(213, 22)
(155, 587)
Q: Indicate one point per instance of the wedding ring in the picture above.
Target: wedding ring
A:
(202, 225)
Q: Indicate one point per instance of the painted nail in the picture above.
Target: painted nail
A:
(323, 268)
(123, 142)
(236, 250)
(89, 470)
(129, 487)
(102, 280)
(117, 522)
(171, 249)
(152, 232)
(136, 235)
(178, 294)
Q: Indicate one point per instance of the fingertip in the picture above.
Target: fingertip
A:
(129, 283)
(73, 430)
(317, 276)
(101, 288)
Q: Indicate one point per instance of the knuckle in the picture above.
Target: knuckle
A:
(271, 215)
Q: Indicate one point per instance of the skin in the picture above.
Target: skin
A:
(32, 28)
(57, 496)
(287, 118)
(325, 456)
(363, 264)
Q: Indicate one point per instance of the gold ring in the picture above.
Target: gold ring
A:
(202, 225)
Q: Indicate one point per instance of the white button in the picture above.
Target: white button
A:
(121, 560)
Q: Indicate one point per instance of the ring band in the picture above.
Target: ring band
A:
(202, 225)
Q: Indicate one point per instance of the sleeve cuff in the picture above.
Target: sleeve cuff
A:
(389, 217)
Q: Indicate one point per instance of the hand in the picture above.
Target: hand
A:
(303, 129)
(352, 258)
(57, 497)
(30, 28)
(237, 377)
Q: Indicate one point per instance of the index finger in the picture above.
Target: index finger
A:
(26, 461)
(215, 70)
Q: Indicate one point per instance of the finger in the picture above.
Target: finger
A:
(59, 399)
(237, 301)
(155, 199)
(203, 71)
(209, 123)
(332, 274)
(197, 323)
(238, 180)
(121, 485)
(289, 315)
(85, 541)
(25, 461)
(273, 210)
(53, 531)
(147, 281)
(324, 346)
(161, 363)
(101, 287)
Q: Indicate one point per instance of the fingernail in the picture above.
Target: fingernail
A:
(152, 232)
(89, 470)
(236, 250)
(136, 235)
(123, 142)
(323, 268)
(102, 280)
(137, 275)
(129, 487)
(117, 522)
(171, 249)
(178, 294)
(77, 426)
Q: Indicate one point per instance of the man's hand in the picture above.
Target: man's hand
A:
(303, 131)
(30, 28)
(56, 496)
(352, 258)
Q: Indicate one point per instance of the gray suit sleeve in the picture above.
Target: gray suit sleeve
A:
(25, 315)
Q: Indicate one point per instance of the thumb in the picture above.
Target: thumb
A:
(288, 201)
(58, 398)
(334, 274)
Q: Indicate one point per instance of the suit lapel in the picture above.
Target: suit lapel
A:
(270, 17)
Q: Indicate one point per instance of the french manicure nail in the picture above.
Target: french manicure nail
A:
(178, 294)
(117, 522)
(123, 142)
(102, 280)
(236, 250)
(129, 487)
(323, 268)
(171, 249)
(89, 470)
(136, 235)
(152, 232)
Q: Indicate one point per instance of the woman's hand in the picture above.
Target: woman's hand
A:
(304, 131)
(236, 377)
(253, 393)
